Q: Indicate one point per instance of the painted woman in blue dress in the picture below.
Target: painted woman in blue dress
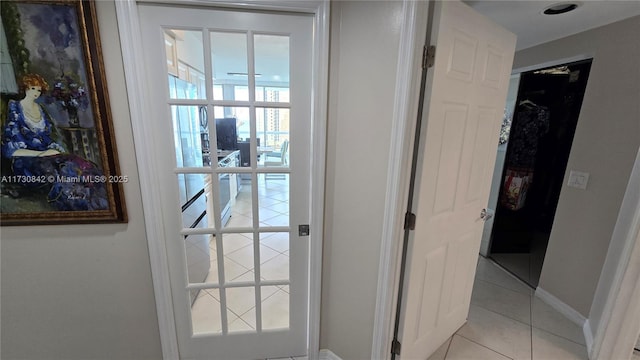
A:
(29, 129)
(31, 141)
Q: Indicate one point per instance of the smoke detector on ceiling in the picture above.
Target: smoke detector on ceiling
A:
(560, 8)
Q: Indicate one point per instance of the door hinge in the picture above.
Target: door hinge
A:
(409, 221)
(395, 347)
(428, 56)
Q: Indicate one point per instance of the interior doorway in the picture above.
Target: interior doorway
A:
(540, 137)
(237, 268)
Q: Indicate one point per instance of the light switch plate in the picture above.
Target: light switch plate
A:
(578, 179)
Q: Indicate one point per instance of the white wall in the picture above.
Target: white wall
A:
(364, 53)
(605, 144)
(84, 291)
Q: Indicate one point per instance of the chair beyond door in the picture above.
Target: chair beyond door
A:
(283, 160)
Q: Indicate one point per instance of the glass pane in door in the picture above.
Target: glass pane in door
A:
(272, 67)
(205, 311)
(272, 126)
(241, 300)
(239, 261)
(229, 66)
(273, 199)
(232, 127)
(275, 308)
(238, 257)
(199, 256)
(185, 63)
(196, 200)
(191, 136)
(276, 268)
(238, 212)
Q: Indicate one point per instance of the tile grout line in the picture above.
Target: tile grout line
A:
(271, 248)
(508, 317)
(484, 346)
(246, 323)
(548, 331)
(507, 272)
(503, 270)
(531, 297)
(263, 300)
(278, 251)
(497, 313)
(532, 317)
(556, 335)
(506, 288)
(448, 346)
(239, 317)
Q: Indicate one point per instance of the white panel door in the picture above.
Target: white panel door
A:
(464, 107)
(231, 135)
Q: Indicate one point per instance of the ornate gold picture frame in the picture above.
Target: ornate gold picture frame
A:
(59, 159)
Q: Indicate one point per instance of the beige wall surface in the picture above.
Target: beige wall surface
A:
(84, 291)
(605, 145)
(619, 253)
(364, 54)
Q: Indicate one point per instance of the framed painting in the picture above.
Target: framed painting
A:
(59, 158)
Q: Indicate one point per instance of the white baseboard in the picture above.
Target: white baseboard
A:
(566, 310)
(326, 354)
(588, 335)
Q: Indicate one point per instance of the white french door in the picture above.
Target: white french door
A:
(231, 123)
(468, 86)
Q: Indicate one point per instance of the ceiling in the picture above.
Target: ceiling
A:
(525, 18)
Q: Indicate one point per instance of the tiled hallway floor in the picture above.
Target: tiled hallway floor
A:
(506, 321)
(527, 267)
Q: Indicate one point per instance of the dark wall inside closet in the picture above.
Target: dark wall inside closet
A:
(542, 130)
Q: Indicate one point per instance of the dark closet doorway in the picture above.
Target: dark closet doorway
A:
(544, 122)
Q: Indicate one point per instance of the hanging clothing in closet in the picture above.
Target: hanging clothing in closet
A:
(530, 123)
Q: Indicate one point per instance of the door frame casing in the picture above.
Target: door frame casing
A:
(412, 38)
(139, 103)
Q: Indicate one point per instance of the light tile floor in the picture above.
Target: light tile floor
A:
(506, 321)
(527, 267)
(273, 206)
